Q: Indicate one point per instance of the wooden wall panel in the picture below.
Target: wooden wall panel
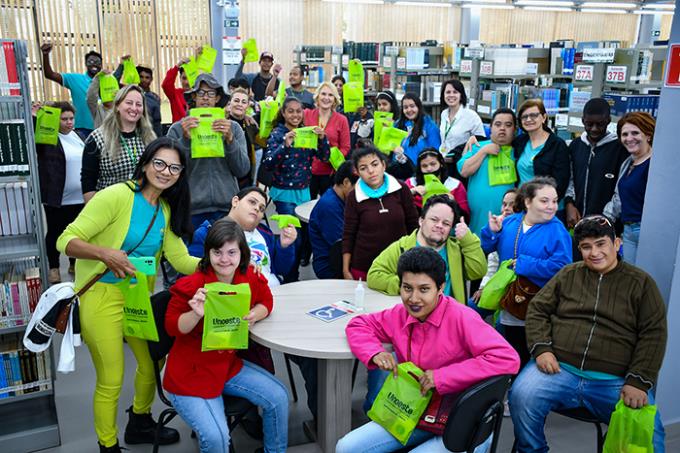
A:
(515, 26)
(155, 32)
(666, 22)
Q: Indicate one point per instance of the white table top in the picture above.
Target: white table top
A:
(290, 329)
(304, 211)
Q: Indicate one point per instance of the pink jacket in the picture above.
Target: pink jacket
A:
(337, 132)
(453, 341)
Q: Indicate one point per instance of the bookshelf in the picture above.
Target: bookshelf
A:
(27, 405)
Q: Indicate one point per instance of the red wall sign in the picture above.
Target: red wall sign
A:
(673, 67)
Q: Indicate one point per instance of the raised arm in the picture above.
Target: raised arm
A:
(49, 73)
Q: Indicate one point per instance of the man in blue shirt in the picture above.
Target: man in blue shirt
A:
(77, 84)
(328, 218)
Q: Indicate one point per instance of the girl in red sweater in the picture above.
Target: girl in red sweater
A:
(196, 380)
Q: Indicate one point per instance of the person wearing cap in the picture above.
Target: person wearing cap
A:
(212, 180)
(259, 80)
(178, 104)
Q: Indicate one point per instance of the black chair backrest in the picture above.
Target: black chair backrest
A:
(335, 259)
(159, 304)
(476, 413)
(265, 176)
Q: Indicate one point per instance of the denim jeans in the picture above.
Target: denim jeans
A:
(206, 416)
(373, 438)
(534, 394)
(631, 236)
(376, 379)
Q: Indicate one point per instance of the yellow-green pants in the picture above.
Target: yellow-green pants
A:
(101, 319)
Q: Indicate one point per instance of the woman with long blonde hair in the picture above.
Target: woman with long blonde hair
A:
(113, 149)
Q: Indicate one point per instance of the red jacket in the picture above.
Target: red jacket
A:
(337, 132)
(178, 105)
(189, 371)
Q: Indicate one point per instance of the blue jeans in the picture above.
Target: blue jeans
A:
(534, 394)
(206, 416)
(373, 438)
(631, 237)
(376, 379)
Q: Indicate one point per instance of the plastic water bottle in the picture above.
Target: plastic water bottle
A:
(359, 296)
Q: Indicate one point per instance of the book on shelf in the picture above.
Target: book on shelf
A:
(22, 371)
(19, 295)
(15, 209)
(13, 148)
(9, 77)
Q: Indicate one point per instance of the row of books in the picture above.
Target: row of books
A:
(15, 209)
(23, 371)
(9, 78)
(364, 51)
(13, 149)
(621, 104)
(19, 295)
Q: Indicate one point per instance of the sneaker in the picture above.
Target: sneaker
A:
(506, 409)
(54, 276)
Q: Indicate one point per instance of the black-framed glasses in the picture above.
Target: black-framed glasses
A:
(597, 218)
(530, 116)
(160, 165)
(206, 93)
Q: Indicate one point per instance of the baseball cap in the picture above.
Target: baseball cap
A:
(267, 54)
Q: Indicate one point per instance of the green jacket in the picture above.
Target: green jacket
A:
(105, 220)
(382, 276)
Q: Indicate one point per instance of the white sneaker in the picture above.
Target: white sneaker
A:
(506, 409)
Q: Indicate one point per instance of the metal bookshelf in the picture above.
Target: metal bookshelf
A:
(29, 421)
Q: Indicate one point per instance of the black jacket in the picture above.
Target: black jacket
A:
(594, 172)
(552, 160)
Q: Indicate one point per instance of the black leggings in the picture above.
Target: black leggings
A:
(57, 221)
(319, 184)
(517, 337)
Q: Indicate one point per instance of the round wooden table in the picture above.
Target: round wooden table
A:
(304, 211)
(291, 330)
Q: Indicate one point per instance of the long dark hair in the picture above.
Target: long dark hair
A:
(388, 96)
(222, 231)
(279, 116)
(177, 196)
(417, 130)
(442, 174)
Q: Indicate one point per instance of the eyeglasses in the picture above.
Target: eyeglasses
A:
(93, 61)
(160, 165)
(204, 93)
(530, 116)
(597, 218)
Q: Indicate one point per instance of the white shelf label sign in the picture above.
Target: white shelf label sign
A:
(345, 60)
(616, 74)
(485, 68)
(584, 73)
(387, 61)
(401, 63)
(474, 53)
(532, 68)
(599, 55)
(466, 66)
(335, 59)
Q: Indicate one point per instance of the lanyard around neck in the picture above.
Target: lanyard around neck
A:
(127, 149)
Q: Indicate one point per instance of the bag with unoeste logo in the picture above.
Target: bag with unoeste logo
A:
(399, 404)
(138, 318)
(224, 309)
(502, 167)
(521, 291)
(205, 142)
(47, 125)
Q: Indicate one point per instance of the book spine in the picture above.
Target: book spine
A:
(16, 370)
(3, 379)
(12, 75)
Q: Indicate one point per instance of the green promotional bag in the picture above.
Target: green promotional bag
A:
(108, 87)
(138, 318)
(204, 141)
(390, 138)
(502, 168)
(206, 59)
(130, 75)
(251, 46)
(352, 96)
(355, 72)
(433, 186)
(224, 309)
(399, 404)
(497, 286)
(630, 430)
(281, 93)
(337, 158)
(47, 125)
(380, 121)
(306, 138)
(268, 112)
(191, 71)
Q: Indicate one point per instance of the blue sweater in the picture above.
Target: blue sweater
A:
(541, 252)
(282, 259)
(291, 167)
(325, 228)
(429, 138)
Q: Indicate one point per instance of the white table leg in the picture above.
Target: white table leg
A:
(335, 402)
